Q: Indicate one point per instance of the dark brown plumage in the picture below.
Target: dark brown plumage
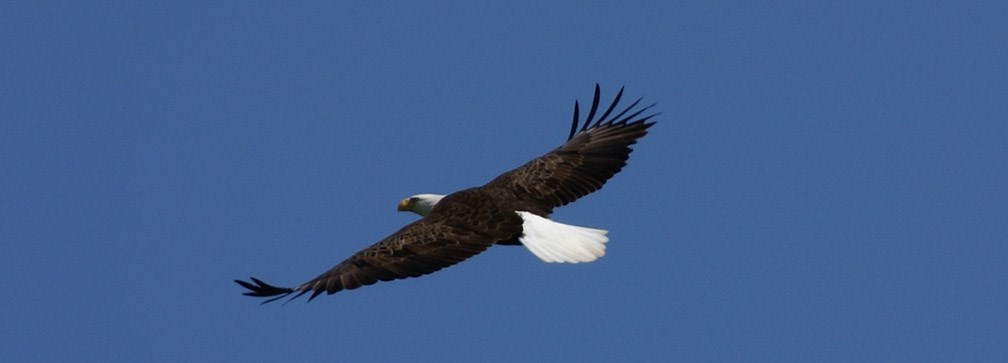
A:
(468, 222)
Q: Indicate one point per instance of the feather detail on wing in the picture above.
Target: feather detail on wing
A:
(461, 226)
(590, 157)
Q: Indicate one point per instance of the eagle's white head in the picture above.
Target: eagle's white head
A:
(420, 204)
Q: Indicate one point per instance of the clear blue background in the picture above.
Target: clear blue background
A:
(826, 181)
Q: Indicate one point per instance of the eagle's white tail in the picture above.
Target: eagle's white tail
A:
(557, 242)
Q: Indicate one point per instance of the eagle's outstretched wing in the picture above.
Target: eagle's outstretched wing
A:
(461, 226)
(590, 157)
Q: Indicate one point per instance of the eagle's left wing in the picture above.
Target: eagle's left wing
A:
(453, 232)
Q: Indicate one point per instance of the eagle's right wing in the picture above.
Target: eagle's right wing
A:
(582, 165)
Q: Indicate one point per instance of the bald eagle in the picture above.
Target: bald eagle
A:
(512, 209)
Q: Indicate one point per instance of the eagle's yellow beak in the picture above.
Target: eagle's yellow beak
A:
(404, 205)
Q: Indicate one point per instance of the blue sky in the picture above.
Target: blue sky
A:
(825, 181)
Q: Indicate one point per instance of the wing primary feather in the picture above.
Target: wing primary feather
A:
(247, 286)
(273, 299)
(297, 296)
(625, 119)
(611, 107)
(646, 118)
(594, 107)
(574, 125)
(612, 120)
(262, 289)
(314, 294)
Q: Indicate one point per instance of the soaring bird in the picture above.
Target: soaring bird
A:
(512, 209)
